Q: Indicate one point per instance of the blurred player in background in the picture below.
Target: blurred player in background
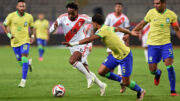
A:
(159, 40)
(74, 30)
(19, 21)
(118, 19)
(143, 38)
(121, 54)
(41, 26)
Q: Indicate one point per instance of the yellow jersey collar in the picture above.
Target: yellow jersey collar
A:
(19, 15)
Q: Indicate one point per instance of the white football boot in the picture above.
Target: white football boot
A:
(103, 89)
(22, 83)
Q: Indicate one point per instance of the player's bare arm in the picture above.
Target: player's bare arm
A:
(119, 29)
(84, 41)
(53, 27)
(5, 28)
(177, 30)
(32, 33)
(138, 28)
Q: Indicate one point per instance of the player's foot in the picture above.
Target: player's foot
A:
(103, 89)
(140, 95)
(123, 88)
(22, 83)
(41, 59)
(90, 82)
(29, 65)
(173, 93)
(157, 79)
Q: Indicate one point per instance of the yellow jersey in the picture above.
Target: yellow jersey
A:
(41, 27)
(112, 41)
(160, 26)
(19, 27)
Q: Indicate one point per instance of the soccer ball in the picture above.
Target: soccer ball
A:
(58, 90)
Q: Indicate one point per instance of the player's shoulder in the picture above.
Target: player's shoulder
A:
(85, 16)
(170, 12)
(124, 16)
(28, 14)
(45, 20)
(152, 10)
(63, 15)
(12, 13)
(110, 14)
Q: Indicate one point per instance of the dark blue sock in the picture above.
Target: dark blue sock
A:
(113, 76)
(134, 86)
(172, 77)
(41, 52)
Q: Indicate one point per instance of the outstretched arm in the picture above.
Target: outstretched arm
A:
(5, 28)
(84, 41)
(119, 29)
(53, 27)
(138, 28)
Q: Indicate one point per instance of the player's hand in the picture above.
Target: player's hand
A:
(135, 33)
(66, 43)
(126, 37)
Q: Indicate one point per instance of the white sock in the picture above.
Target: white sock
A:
(119, 70)
(97, 81)
(146, 54)
(82, 69)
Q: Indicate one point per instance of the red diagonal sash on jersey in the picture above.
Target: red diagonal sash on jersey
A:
(74, 30)
(119, 22)
(146, 29)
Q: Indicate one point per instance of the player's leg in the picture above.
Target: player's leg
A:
(17, 52)
(146, 54)
(107, 66)
(96, 80)
(24, 52)
(40, 49)
(168, 60)
(127, 65)
(154, 57)
(75, 60)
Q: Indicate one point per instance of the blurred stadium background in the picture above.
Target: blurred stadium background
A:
(134, 9)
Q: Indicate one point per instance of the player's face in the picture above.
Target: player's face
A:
(159, 5)
(118, 8)
(41, 16)
(94, 25)
(21, 6)
(72, 14)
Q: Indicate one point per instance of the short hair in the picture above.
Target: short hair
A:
(72, 5)
(98, 18)
(119, 3)
(163, 1)
(21, 1)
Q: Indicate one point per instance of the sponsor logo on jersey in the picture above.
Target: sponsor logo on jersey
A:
(25, 24)
(167, 20)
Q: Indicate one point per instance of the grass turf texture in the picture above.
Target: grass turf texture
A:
(55, 69)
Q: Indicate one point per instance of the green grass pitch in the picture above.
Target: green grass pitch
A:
(55, 69)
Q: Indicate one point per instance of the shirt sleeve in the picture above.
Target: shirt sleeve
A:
(107, 21)
(7, 21)
(59, 21)
(31, 24)
(174, 21)
(126, 23)
(148, 16)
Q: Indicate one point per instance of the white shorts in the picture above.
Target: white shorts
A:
(83, 49)
(144, 40)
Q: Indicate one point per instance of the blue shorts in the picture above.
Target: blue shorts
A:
(23, 49)
(126, 64)
(41, 42)
(156, 53)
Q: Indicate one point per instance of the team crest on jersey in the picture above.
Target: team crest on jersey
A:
(167, 20)
(25, 23)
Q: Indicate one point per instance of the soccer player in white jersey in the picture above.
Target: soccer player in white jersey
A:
(118, 19)
(144, 37)
(73, 27)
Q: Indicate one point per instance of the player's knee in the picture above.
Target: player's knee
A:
(24, 59)
(101, 73)
(126, 83)
(71, 61)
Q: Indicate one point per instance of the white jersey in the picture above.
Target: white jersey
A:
(73, 30)
(145, 32)
(89, 29)
(120, 21)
